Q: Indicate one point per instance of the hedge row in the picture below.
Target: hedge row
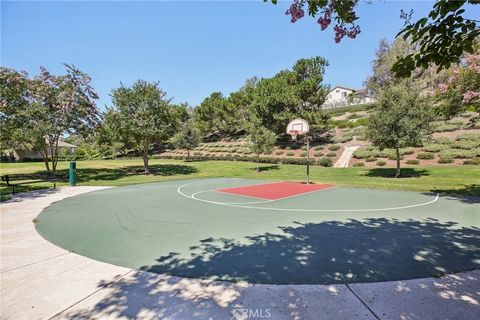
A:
(324, 162)
(371, 152)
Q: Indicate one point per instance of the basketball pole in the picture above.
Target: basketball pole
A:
(308, 160)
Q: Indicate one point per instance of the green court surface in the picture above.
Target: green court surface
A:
(336, 235)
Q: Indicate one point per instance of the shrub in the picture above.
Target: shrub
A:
(303, 154)
(394, 157)
(325, 162)
(304, 147)
(318, 148)
(412, 161)
(445, 160)
(434, 147)
(381, 163)
(362, 122)
(361, 154)
(331, 154)
(474, 161)
(279, 152)
(469, 136)
(334, 147)
(371, 159)
(458, 153)
(359, 164)
(344, 138)
(425, 155)
(442, 140)
(447, 126)
(352, 116)
(466, 144)
(290, 153)
(408, 150)
(317, 154)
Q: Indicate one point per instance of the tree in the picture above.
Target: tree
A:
(261, 140)
(38, 111)
(217, 115)
(442, 37)
(460, 88)
(387, 55)
(401, 119)
(14, 97)
(144, 115)
(187, 138)
(291, 93)
(110, 135)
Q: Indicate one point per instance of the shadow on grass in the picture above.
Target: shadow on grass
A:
(108, 174)
(317, 253)
(268, 168)
(91, 174)
(390, 173)
(34, 191)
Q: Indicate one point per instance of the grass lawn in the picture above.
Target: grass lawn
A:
(463, 180)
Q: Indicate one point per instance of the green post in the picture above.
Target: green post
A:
(73, 173)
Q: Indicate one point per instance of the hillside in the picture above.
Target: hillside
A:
(453, 142)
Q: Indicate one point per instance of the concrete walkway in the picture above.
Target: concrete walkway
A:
(344, 159)
(42, 281)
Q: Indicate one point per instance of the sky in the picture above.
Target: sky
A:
(191, 48)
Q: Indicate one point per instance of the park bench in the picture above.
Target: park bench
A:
(9, 178)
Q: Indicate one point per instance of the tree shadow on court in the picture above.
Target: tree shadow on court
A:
(390, 173)
(333, 252)
(320, 253)
(467, 194)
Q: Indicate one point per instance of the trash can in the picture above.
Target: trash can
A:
(73, 173)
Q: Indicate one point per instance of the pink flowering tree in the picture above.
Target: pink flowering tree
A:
(447, 32)
(461, 88)
(341, 13)
(42, 109)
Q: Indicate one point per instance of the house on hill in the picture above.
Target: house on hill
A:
(25, 153)
(341, 96)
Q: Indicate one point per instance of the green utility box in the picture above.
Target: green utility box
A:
(73, 173)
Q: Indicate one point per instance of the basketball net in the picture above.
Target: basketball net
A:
(294, 134)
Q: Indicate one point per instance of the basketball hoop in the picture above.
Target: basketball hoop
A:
(294, 134)
(300, 127)
(297, 127)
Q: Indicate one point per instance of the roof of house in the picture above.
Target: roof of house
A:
(66, 144)
(342, 87)
(362, 91)
(60, 144)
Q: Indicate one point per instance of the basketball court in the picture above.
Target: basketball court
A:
(269, 232)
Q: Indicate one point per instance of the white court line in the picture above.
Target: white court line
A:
(179, 190)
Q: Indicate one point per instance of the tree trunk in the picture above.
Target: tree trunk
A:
(55, 156)
(188, 155)
(398, 163)
(45, 158)
(145, 162)
(258, 161)
(145, 157)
